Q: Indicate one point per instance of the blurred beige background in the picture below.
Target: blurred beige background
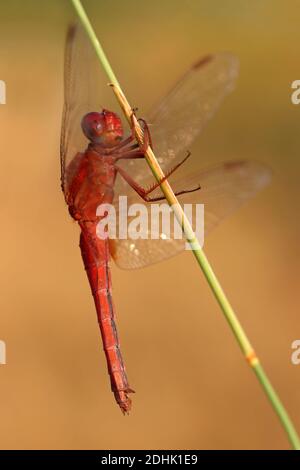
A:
(194, 390)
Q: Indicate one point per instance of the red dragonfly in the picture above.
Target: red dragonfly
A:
(98, 164)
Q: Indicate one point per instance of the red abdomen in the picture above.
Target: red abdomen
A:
(95, 254)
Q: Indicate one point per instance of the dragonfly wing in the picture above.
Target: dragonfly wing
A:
(182, 114)
(174, 123)
(85, 90)
(224, 188)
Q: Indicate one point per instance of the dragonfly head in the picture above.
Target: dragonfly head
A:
(104, 128)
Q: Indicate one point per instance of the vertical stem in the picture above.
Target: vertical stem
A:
(94, 40)
(203, 262)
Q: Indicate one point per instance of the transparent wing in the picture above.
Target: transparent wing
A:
(180, 117)
(85, 90)
(174, 123)
(224, 188)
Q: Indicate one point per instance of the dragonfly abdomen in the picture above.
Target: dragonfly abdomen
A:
(95, 254)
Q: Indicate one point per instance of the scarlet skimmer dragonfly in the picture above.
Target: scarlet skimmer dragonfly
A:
(98, 164)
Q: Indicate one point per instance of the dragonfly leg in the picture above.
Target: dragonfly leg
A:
(130, 147)
(119, 149)
(146, 132)
(174, 168)
(143, 193)
(133, 153)
(121, 145)
(147, 140)
(128, 139)
(161, 198)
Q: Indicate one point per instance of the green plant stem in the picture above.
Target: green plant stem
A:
(199, 254)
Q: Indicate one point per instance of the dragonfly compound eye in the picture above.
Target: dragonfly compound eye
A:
(93, 126)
